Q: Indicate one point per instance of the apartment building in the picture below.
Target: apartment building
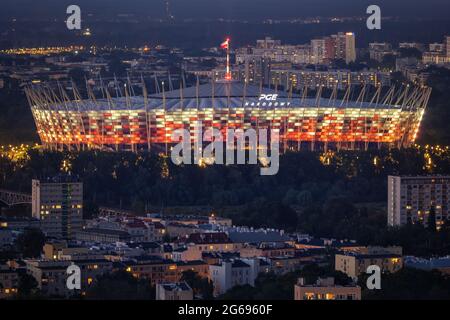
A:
(447, 47)
(103, 235)
(174, 291)
(355, 264)
(153, 269)
(9, 282)
(200, 267)
(58, 204)
(410, 199)
(268, 250)
(325, 289)
(198, 243)
(329, 79)
(51, 275)
(230, 273)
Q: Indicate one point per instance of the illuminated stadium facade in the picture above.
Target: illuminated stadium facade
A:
(146, 122)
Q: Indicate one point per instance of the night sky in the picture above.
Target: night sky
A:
(239, 9)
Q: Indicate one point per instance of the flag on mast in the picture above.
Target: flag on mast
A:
(226, 44)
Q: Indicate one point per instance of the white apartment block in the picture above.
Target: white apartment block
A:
(58, 204)
(231, 273)
(410, 199)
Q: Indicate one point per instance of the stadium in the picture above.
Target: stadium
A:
(375, 118)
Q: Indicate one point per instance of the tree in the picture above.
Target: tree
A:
(432, 219)
(30, 243)
(120, 285)
(409, 284)
(201, 286)
(28, 287)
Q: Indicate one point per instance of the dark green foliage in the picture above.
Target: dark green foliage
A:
(120, 285)
(28, 287)
(201, 286)
(410, 284)
(30, 243)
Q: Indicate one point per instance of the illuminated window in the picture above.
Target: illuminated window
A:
(309, 296)
(89, 281)
(330, 296)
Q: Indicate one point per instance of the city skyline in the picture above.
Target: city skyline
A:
(266, 152)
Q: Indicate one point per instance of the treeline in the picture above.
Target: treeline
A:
(134, 181)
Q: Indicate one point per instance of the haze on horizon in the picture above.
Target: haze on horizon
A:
(232, 9)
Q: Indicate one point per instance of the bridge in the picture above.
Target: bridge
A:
(12, 198)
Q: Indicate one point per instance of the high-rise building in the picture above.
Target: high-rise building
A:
(330, 51)
(447, 47)
(411, 198)
(350, 47)
(318, 51)
(267, 43)
(345, 46)
(58, 204)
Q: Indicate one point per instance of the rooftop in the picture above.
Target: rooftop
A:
(218, 95)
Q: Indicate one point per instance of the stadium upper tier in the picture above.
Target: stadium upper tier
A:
(219, 95)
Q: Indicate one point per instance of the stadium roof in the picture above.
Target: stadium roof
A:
(218, 95)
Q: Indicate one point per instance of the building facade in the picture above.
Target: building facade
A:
(230, 273)
(411, 198)
(354, 264)
(58, 204)
(174, 291)
(325, 289)
(9, 282)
